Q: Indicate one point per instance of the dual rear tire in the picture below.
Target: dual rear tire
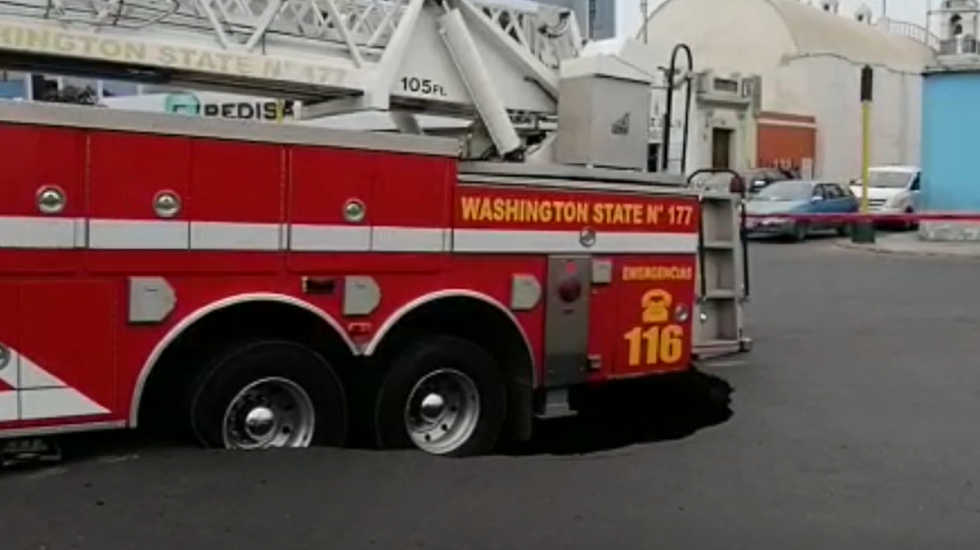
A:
(441, 394)
(268, 394)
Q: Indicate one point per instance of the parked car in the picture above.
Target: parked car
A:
(757, 179)
(754, 179)
(769, 208)
(892, 190)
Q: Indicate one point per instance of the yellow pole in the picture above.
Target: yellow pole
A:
(865, 153)
(280, 110)
(864, 230)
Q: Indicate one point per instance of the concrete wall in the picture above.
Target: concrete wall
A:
(951, 179)
(828, 88)
(725, 35)
(706, 115)
(750, 37)
(707, 27)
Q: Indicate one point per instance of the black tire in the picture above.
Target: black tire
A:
(800, 231)
(844, 230)
(244, 364)
(439, 353)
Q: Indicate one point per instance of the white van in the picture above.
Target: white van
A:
(892, 189)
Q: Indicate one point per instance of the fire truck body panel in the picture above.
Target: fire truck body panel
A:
(100, 285)
(260, 284)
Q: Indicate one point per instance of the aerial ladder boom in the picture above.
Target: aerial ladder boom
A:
(498, 59)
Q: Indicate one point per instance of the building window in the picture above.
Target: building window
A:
(115, 88)
(159, 89)
(726, 85)
(13, 85)
(65, 89)
(45, 87)
(653, 157)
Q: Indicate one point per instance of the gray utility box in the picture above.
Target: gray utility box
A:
(603, 113)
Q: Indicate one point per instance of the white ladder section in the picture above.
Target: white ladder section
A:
(346, 55)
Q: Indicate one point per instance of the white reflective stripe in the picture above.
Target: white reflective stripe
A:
(8, 406)
(39, 394)
(37, 232)
(81, 233)
(8, 374)
(33, 376)
(663, 243)
(235, 236)
(408, 239)
(494, 240)
(138, 234)
(320, 238)
(56, 403)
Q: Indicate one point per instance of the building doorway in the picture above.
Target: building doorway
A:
(653, 157)
(721, 148)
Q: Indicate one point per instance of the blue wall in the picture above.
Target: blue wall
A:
(12, 89)
(951, 141)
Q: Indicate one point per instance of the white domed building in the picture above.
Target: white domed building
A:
(809, 58)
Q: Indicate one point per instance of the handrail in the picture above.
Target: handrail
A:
(911, 30)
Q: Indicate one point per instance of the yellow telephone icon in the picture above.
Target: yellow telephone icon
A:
(656, 306)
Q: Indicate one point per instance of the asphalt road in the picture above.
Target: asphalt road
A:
(853, 424)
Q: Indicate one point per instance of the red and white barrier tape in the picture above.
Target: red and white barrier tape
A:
(872, 217)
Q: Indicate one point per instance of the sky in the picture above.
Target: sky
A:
(905, 10)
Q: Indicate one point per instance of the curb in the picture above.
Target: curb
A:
(877, 248)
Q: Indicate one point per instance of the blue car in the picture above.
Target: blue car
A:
(768, 208)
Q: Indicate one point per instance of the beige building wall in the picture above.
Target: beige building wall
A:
(809, 62)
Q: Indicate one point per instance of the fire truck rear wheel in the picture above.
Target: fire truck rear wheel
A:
(445, 396)
(269, 394)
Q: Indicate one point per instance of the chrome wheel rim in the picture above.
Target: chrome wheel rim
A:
(269, 413)
(442, 411)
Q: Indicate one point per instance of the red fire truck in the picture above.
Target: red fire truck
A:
(266, 285)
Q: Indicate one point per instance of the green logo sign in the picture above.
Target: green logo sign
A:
(184, 103)
(187, 103)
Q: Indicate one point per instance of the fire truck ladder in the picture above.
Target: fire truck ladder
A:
(337, 56)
